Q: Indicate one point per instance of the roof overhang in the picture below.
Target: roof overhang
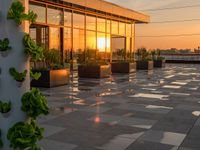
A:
(111, 8)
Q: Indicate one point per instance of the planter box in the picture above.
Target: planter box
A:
(98, 71)
(159, 63)
(52, 78)
(123, 67)
(144, 65)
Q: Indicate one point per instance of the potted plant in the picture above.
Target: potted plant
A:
(53, 73)
(93, 66)
(144, 61)
(123, 64)
(4, 47)
(5, 108)
(158, 61)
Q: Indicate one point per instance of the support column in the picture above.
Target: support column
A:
(9, 91)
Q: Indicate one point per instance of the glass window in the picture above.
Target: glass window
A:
(122, 27)
(128, 47)
(108, 49)
(67, 18)
(101, 24)
(133, 29)
(108, 26)
(67, 43)
(40, 11)
(128, 29)
(54, 16)
(101, 42)
(101, 45)
(115, 27)
(79, 20)
(90, 23)
(54, 38)
(90, 40)
(78, 44)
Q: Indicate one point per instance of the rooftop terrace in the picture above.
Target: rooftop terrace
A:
(156, 110)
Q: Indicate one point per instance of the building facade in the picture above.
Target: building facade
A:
(76, 26)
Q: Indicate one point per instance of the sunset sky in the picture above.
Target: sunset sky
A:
(175, 28)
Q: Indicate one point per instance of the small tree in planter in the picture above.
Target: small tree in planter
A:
(159, 61)
(93, 66)
(53, 72)
(144, 60)
(124, 64)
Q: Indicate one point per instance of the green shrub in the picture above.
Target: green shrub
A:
(25, 136)
(5, 107)
(34, 103)
(20, 77)
(17, 13)
(35, 51)
(4, 45)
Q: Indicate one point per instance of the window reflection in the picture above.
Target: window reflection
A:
(115, 27)
(128, 29)
(54, 16)
(101, 45)
(78, 45)
(40, 11)
(108, 23)
(54, 36)
(128, 47)
(67, 18)
(101, 24)
(122, 27)
(108, 50)
(90, 23)
(67, 44)
(90, 40)
(78, 20)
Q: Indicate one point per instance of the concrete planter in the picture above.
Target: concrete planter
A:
(159, 63)
(51, 78)
(94, 71)
(144, 65)
(123, 67)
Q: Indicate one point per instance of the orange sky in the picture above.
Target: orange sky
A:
(156, 29)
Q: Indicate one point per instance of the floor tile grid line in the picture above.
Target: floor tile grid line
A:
(152, 127)
(179, 148)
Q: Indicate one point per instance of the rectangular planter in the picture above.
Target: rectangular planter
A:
(52, 78)
(94, 71)
(159, 63)
(144, 65)
(123, 67)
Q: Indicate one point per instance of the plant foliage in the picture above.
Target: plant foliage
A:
(20, 77)
(32, 49)
(25, 136)
(52, 59)
(4, 45)
(5, 107)
(35, 75)
(143, 55)
(17, 13)
(34, 103)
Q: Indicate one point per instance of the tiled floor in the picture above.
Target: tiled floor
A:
(155, 110)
